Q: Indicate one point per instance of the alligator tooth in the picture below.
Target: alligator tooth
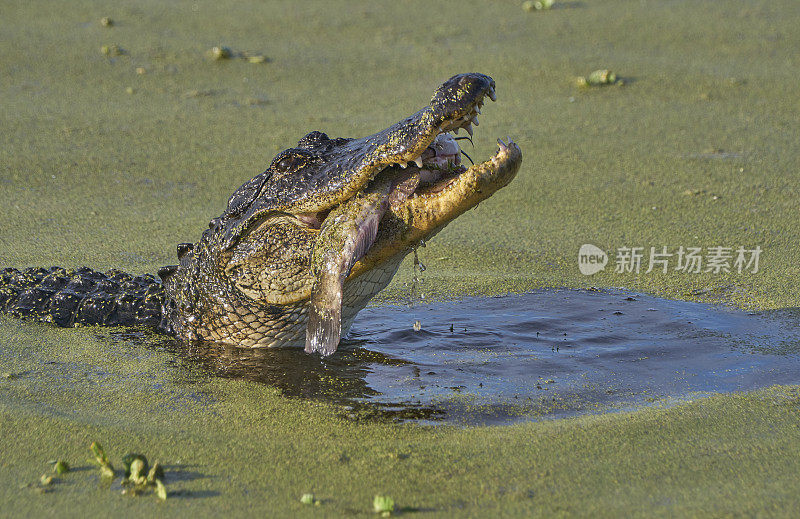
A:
(477, 109)
(475, 121)
(468, 127)
(503, 145)
(402, 165)
(418, 162)
(492, 95)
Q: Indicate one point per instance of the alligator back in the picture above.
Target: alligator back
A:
(69, 297)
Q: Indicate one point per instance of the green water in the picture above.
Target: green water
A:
(103, 166)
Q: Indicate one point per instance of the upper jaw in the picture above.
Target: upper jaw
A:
(347, 166)
(454, 105)
(420, 142)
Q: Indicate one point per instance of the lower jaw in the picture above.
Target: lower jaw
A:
(430, 209)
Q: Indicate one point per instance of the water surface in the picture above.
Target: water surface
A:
(548, 353)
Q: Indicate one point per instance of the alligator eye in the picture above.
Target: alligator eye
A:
(290, 161)
(285, 164)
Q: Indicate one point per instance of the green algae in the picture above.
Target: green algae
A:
(224, 442)
(383, 505)
(60, 467)
(93, 176)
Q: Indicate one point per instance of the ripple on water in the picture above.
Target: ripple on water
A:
(548, 353)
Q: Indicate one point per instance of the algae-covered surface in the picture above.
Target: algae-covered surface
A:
(120, 140)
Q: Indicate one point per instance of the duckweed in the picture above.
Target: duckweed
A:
(112, 50)
(136, 468)
(307, 499)
(383, 505)
(220, 52)
(538, 5)
(600, 78)
(161, 490)
(100, 459)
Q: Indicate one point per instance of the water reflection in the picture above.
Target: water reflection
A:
(340, 379)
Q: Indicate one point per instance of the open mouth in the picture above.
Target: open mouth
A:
(439, 164)
(418, 156)
(429, 171)
(406, 201)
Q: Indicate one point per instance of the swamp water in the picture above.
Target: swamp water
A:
(544, 354)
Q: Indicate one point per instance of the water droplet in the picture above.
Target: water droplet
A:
(416, 280)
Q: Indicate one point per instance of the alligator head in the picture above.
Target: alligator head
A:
(302, 247)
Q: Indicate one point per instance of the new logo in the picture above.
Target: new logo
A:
(591, 259)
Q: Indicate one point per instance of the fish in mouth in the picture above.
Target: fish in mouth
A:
(302, 247)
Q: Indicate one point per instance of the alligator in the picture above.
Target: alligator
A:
(302, 247)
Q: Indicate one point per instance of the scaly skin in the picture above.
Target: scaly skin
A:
(248, 281)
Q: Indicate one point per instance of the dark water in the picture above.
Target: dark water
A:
(543, 354)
